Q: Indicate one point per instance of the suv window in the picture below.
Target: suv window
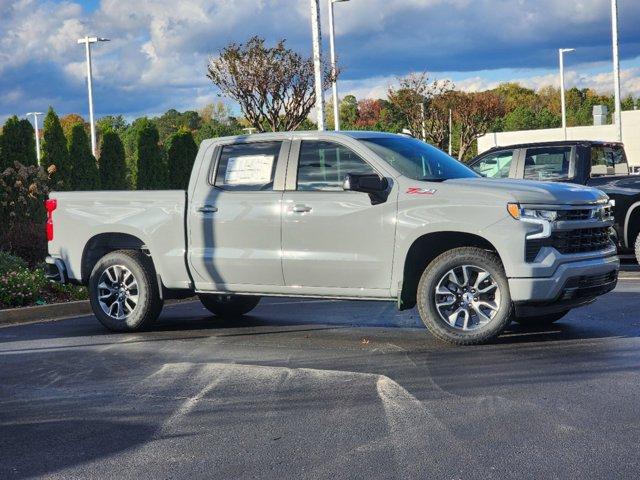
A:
(323, 165)
(495, 165)
(549, 163)
(608, 160)
(247, 166)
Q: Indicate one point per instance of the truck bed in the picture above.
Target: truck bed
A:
(155, 219)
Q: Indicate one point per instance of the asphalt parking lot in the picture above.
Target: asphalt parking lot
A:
(322, 389)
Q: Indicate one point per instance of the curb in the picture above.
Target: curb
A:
(41, 313)
(55, 311)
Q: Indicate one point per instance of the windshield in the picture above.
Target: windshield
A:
(418, 160)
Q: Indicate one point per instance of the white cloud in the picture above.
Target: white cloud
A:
(159, 48)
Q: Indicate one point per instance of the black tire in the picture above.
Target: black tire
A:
(229, 305)
(426, 296)
(542, 320)
(149, 303)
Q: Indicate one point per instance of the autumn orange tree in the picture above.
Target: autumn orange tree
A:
(474, 115)
(412, 97)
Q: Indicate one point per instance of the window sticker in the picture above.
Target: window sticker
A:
(249, 170)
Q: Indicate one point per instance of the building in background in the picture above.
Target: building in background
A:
(606, 133)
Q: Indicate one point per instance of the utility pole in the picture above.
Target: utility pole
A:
(424, 128)
(332, 43)
(450, 132)
(35, 125)
(563, 104)
(87, 43)
(616, 67)
(317, 61)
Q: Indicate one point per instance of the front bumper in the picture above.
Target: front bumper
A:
(56, 271)
(572, 284)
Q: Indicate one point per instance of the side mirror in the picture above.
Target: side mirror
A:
(372, 184)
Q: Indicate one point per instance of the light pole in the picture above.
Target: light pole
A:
(35, 124)
(332, 42)
(317, 61)
(563, 104)
(87, 43)
(450, 132)
(616, 67)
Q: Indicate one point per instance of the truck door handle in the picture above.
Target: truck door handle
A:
(301, 208)
(208, 209)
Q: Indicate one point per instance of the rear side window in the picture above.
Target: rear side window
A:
(247, 167)
(608, 160)
(323, 166)
(496, 165)
(549, 163)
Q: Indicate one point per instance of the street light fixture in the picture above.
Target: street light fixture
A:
(35, 124)
(317, 61)
(332, 40)
(561, 52)
(87, 42)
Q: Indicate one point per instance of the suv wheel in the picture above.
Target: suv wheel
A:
(229, 305)
(463, 296)
(637, 248)
(123, 291)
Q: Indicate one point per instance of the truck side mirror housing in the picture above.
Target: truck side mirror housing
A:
(371, 184)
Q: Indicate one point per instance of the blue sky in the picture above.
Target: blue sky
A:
(159, 50)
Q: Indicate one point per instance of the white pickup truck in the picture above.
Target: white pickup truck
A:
(351, 215)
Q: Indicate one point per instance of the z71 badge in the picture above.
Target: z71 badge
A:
(421, 191)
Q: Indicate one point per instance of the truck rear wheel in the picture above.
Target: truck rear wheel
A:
(229, 305)
(463, 296)
(124, 292)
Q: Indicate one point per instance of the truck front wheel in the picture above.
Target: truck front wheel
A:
(463, 296)
(229, 305)
(124, 292)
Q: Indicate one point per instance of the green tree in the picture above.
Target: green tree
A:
(55, 155)
(112, 165)
(520, 118)
(129, 137)
(17, 143)
(151, 165)
(117, 123)
(84, 175)
(181, 153)
(215, 129)
(348, 112)
(172, 121)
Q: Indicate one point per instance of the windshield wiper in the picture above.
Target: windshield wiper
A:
(432, 179)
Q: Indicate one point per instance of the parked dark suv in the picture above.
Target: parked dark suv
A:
(597, 164)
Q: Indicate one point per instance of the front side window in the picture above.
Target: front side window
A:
(608, 160)
(247, 167)
(323, 166)
(495, 165)
(549, 163)
(417, 160)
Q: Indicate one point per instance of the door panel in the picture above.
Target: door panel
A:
(235, 226)
(333, 238)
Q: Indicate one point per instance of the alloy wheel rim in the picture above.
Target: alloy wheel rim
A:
(467, 297)
(118, 292)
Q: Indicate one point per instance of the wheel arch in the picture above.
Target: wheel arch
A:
(424, 250)
(103, 243)
(632, 224)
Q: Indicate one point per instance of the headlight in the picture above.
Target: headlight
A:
(537, 216)
(521, 213)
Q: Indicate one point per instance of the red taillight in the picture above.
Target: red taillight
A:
(50, 204)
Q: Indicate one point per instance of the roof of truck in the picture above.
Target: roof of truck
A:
(306, 134)
(556, 143)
